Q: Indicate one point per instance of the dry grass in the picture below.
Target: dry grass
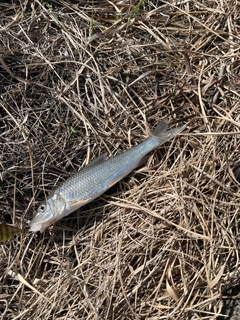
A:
(80, 78)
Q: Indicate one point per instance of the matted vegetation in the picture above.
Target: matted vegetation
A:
(80, 78)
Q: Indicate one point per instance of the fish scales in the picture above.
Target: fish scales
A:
(95, 178)
(104, 174)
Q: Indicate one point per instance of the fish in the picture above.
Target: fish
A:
(95, 178)
(7, 232)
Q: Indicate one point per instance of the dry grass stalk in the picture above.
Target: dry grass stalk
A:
(82, 78)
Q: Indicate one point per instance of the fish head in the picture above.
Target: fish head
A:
(48, 212)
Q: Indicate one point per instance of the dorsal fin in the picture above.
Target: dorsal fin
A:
(98, 160)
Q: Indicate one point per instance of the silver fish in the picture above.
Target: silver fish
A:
(95, 178)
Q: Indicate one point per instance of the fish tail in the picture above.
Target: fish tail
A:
(8, 231)
(161, 133)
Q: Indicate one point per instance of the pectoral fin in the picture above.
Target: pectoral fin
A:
(113, 183)
(78, 203)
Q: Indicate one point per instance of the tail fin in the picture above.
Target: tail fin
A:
(161, 132)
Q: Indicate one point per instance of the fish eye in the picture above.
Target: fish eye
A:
(42, 207)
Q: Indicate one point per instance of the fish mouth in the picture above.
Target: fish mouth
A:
(36, 227)
(40, 226)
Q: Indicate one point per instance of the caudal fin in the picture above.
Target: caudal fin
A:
(161, 132)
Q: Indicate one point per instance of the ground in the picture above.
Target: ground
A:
(82, 78)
